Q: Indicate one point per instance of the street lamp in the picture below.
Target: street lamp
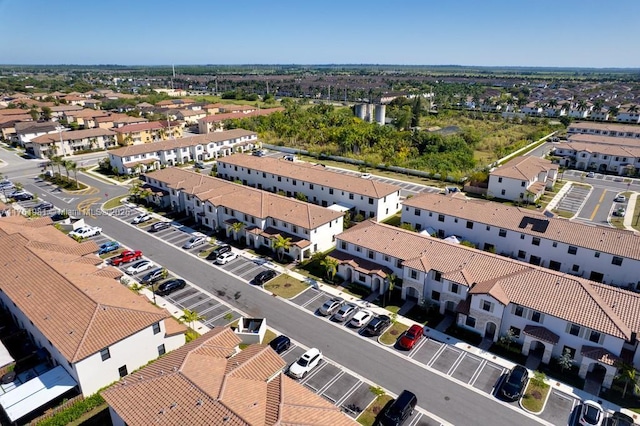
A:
(64, 151)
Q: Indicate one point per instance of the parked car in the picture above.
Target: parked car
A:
(280, 344)
(16, 192)
(619, 212)
(397, 413)
(7, 187)
(221, 249)
(307, 362)
(152, 276)
(45, 205)
(170, 286)
(194, 241)
(126, 257)
(591, 414)
(361, 318)
(141, 218)
(344, 312)
(226, 258)
(330, 306)
(85, 232)
(621, 419)
(24, 196)
(199, 165)
(514, 384)
(4, 183)
(259, 153)
(264, 276)
(159, 226)
(620, 199)
(377, 325)
(108, 247)
(591, 175)
(410, 337)
(138, 267)
(365, 175)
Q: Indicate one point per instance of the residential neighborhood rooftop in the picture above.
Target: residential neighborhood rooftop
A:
(524, 167)
(72, 135)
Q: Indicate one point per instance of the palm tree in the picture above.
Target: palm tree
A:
(135, 190)
(280, 245)
(190, 317)
(57, 161)
(614, 110)
(628, 374)
(391, 279)
(582, 105)
(330, 266)
(65, 164)
(633, 108)
(237, 227)
(73, 166)
(553, 103)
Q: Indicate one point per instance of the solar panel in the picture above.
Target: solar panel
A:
(537, 225)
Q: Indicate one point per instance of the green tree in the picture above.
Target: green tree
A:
(65, 165)
(300, 196)
(280, 245)
(330, 267)
(56, 160)
(391, 280)
(46, 113)
(508, 338)
(190, 317)
(237, 227)
(565, 361)
(73, 167)
(135, 190)
(35, 115)
(627, 373)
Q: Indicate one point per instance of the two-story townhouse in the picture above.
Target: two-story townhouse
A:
(533, 109)
(70, 142)
(26, 131)
(214, 123)
(606, 154)
(75, 310)
(366, 197)
(555, 111)
(190, 116)
(601, 114)
(522, 179)
(600, 254)
(210, 378)
(545, 312)
(153, 131)
(58, 111)
(140, 158)
(628, 114)
(84, 118)
(258, 218)
(604, 129)
(8, 126)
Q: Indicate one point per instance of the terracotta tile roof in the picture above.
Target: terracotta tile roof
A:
(13, 111)
(605, 140)
(597, 238)
(245, 199)
(583, 126)
(270, 232)
(140, 127)
(64, 108)
(89, 113)
(72, 135)
(564, 296)
(312, 173)
(205, 380)
(181, 143)
(215, 118)
(541, 333)
(53, 280)
(359, 264)
(524, 168)
(173, 327)
(599, 354)
(608, 149)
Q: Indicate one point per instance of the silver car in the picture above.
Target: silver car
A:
(330, 306)
(194, 241)
(344, 312)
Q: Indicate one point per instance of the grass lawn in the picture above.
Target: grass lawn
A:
(369, 415)
(635, 220)
(390, 336)
(394, 220)
(112, 203)
(563, 213)
(268, 337)
(285, 286)
(535, 396)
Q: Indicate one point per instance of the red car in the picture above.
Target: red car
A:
(410, 337)
(126, 257)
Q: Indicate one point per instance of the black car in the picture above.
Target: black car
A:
(224, 248)
(45, 205)
(621, 419)
(264, 276)
(397, 413)
(170, 286)
(377, 325)
(23, 197)
(158, 226)
(152, 276)
(513, 386)
(280, 344)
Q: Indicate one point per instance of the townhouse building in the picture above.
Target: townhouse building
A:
(366, 197)
(546, 312)
(117, 120)
(522, 179)
(58, 111)
(215, 122)
(255, 217)
(189, 116)
(71, 142)
(605, 154)
(91, 329)
(153, 131)
(85, 118)
(532, 109)
(628, 114)
(187, 387)
(26, 131)
(604, 129)
(141, 158)
(601, 254)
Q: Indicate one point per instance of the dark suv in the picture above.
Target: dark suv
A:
(221, 249)
(280, 344)
(377, 325)
(400, 410)
(513, 386)
(170, 286)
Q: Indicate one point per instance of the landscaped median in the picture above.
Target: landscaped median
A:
(368, 416)
(390, 336)
(536, 395)
(286, 286)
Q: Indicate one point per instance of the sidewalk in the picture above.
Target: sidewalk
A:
(628, 216)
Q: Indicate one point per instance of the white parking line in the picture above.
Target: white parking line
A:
(456, 363)
(332, 381)
(417, 347)
(348, 393)
(475, 375)
(436, 355)
(316, 297)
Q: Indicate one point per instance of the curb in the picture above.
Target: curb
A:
(544, 404)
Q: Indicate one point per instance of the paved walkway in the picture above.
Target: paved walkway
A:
(628, 216)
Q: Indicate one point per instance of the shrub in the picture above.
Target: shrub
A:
(73, 412)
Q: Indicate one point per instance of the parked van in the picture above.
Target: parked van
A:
(399, 410)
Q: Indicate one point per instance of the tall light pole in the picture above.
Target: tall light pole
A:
(64, 151)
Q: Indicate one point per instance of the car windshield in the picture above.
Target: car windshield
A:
(303, 362)
(591, 414)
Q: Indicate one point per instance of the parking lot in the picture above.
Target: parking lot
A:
(574, 199)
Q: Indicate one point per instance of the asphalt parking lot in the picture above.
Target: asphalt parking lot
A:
(574, 199)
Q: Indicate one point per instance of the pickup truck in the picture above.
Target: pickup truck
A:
(126, 257)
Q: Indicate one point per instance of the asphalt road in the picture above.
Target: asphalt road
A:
(452, 402)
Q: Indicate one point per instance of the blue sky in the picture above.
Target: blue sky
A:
(561, 33)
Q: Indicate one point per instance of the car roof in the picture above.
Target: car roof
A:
(280, 338)
(415, 327)
(311, 353)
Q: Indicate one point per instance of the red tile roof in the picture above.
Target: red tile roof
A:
(215, 118)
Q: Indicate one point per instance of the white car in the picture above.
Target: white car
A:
(85, 232)
(141, 218)
(620, 199)
(226, 257)
(307, 362)
(365, 175)
(361, 318)
(591, 414)
(139, 266)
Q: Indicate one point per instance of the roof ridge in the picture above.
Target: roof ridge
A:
(86, 332)
(604, 306)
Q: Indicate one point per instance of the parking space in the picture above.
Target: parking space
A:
(321, 377)
(574, 198)
(357, 400)
(487, 377)
(559, 408)
(244, 268)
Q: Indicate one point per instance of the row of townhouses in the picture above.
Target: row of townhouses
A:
(547, 312)
(605, 154)
(522, 179)
(604, 129)
(91, 329)
(256, 217)
(141, 158)
(601, 254)
(215, 122)
(70, 142)
(367, 197)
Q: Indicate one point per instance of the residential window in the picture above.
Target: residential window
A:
(279, 178)
(105, 354)
(487, 306)
(536, 317)
(156, 328)
(503, 192)
(370, 200)
(555, 244)
(488, 228)
(535, 241)
(358, 249)
(555, 265)
(522, 254)
(310, 186)
(440, 218)
(435, 295)
(571, 351)
(122, 371)
(371, 254)
(499, 180)
(594, 336)
(574, 330)
(522, 236)
(351, 196)
(471, 322)
(161, 350)
(295, 182)
(399, 263)
(416, 212)
(264, 175)
(572, 250)
(437, 276)
(454, 288)
(597, 254)
(414, 274)
(616, 260)
(522, 184)
(575, 268)
(386, 258)
(519, 312)
(362, 278)
(515, 331)
(331, 191)
(502, 233)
